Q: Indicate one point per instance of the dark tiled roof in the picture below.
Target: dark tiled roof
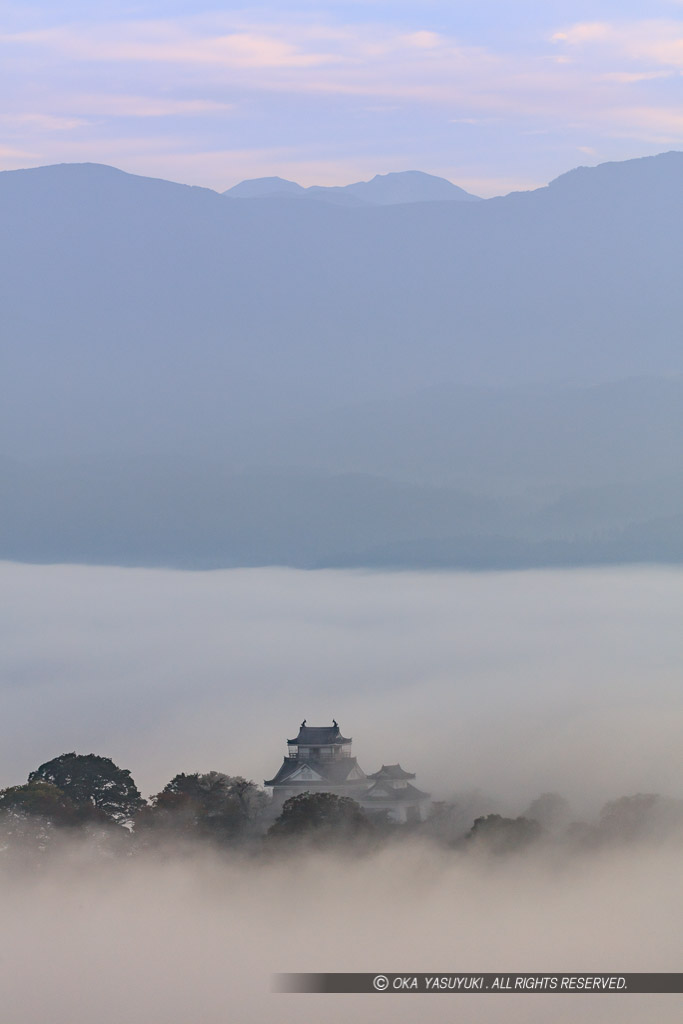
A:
(319, 735)
(331, 771)
(409, 794)
(392, 771)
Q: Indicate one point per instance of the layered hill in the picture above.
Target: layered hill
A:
(502, 374)
(382, 190)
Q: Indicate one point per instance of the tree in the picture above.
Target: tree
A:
(40, 800)
(92, 781)
(496, 834)
(323, 818)
(35, 817)
(210, 805)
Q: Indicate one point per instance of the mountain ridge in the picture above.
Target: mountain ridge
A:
(416, 343)
(396, 187)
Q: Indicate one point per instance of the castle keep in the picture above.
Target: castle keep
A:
(319, 760)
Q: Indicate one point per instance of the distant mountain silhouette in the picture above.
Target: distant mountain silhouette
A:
(149, 309)
(258, 188)
(624, 181)
(508, 368)
(404, 187)
(382, 190)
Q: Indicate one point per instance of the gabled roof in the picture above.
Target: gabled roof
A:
(381, 791)
(319, 735)
(305, 773)
(334, 772)
(392, 771)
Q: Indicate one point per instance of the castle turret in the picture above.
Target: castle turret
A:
(392, 792)
(318, 760)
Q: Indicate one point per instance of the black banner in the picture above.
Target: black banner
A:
(468, 983)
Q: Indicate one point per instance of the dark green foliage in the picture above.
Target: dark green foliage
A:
(36, 818)
(496, 834)
(41, 799)
(321, 817)
(211, 805)
(92, 781)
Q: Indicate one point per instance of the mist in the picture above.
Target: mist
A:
(508, 683)
(197, 939)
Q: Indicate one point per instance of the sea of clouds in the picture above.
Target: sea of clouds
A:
(515, 683)
(510, 684)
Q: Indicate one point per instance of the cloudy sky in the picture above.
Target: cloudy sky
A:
(492, 95)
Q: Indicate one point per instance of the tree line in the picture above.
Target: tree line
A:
(89, 795)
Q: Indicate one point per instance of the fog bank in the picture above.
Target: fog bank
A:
(184, 941)
(514, 683)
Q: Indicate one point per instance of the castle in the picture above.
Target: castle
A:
(319, 760)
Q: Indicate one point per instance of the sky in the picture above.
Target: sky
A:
(492, 95)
